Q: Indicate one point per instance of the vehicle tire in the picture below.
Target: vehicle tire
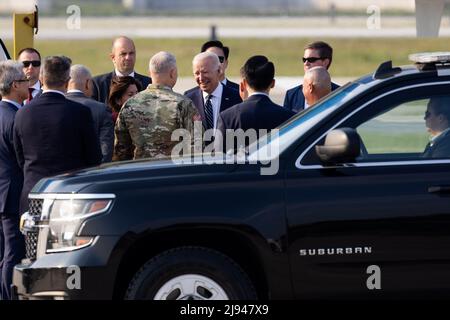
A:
(190, 273)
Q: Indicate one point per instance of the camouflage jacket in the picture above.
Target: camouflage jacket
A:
(146, 121)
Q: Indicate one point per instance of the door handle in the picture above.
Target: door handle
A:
(439, 189)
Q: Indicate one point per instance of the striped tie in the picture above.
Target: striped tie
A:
(209, 113)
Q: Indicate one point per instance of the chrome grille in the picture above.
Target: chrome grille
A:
(31, 237)
(35, 206)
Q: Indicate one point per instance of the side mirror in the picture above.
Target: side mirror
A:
(341, 145)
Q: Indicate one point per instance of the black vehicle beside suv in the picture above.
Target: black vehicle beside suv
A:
(348, 204)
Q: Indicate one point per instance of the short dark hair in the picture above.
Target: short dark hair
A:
(441, 105)
(324, 49)
(217, 44)
(56, 70)
(119, 85)
(30, 50)
(259, 72)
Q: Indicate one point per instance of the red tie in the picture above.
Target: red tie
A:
(30, 94)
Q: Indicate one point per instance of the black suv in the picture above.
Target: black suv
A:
(344, 201)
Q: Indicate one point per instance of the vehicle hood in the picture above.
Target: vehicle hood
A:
(76, 181)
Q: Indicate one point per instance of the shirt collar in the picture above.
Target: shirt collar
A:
(75, 91)
(14, 103)
(122, 75)
(37, 85)
(259, 93)
(158, 86)
(433, 139)
(216, 93)
(224, 82)
(53, 91)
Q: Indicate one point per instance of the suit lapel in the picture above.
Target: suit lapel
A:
(300, 104)
(226, 99)
(8, 105)
(198, 101)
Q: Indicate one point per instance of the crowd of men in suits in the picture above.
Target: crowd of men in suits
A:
(55, 118)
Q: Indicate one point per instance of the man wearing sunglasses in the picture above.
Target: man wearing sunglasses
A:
(317, 54)
(222, 52)
(31, 60)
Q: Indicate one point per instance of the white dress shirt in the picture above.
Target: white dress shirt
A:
(54, 91)
(37, 88)
(75, 91)
(122, 75)
(215, 101)
(259, 93)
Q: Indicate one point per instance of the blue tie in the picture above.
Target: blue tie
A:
(209, 113)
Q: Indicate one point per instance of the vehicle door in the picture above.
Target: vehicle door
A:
(378, 226)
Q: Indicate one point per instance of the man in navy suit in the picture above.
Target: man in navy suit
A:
(437, 121)
(210, 97)
(123, 56)
(217, 47)
(53, 134)
(79, 90)
(316, 84)
(316, 54)
(257, 111)
(14, 89)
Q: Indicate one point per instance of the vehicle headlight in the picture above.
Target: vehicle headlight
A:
(65, 219)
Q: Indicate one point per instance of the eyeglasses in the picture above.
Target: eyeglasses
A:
(22, 80)
(34, 63)
(311, 59)
(221, 59)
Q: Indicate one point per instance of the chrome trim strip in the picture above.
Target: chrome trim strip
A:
(85, 216)
(69, 196)
(379, 164)
(394, 163)
(73, 248)
(50, 293)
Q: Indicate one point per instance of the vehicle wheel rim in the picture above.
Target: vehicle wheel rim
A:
(191, 287)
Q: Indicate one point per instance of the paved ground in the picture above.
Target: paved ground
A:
(254, 27)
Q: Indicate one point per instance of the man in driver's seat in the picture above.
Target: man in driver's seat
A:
(437, 121)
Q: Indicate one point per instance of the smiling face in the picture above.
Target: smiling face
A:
(207, 74)
(131, 91)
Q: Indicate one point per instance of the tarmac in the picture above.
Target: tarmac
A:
(82, 27)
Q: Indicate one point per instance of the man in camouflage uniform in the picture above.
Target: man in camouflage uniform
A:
(146, 121)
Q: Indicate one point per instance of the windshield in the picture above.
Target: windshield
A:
(272, 145)
(3, 52)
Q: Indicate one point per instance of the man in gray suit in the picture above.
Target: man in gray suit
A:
(80, 90)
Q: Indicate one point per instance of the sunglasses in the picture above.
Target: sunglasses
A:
(221, 59)
(311, 59)
(22, 80)
(34, 63)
